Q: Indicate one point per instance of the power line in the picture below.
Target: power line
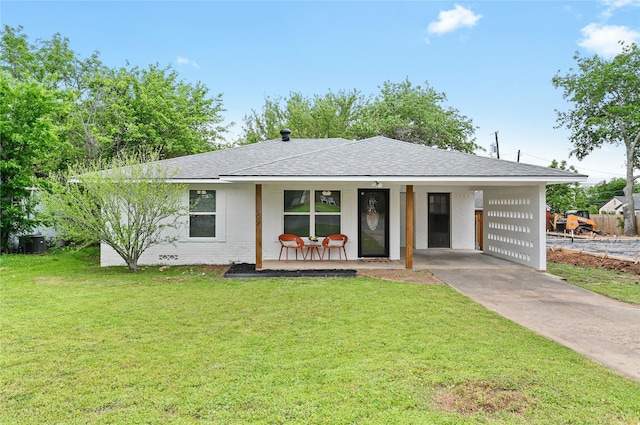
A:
(581, 168)
(495, 149)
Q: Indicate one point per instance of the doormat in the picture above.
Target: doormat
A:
(375, 260)
(246, 270)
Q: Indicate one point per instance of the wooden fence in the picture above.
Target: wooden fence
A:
(609, 223)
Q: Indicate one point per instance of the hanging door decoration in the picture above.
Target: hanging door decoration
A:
(373, 223)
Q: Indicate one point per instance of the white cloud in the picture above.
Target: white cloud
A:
(451, 20)
(613, 5)
(184, 61)
(605, 39)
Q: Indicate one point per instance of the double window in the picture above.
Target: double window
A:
(202, 213)
(312, 212)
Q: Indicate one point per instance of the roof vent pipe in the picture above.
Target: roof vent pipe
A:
(285, 132)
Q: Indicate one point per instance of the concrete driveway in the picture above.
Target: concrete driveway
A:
(602, 329)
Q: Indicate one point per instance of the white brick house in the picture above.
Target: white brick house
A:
(251, 194)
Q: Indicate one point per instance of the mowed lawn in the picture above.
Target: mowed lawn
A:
(83, 344)
(610, 283)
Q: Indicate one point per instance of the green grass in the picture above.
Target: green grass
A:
(82, 344)
(619, 286)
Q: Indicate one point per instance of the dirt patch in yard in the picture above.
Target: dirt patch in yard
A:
(402, 275)
(474, 397)
(592, 260)
(216, 270)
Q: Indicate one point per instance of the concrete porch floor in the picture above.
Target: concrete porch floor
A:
(424, 259)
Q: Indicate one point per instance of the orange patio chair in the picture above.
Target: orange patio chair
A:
(335, 241)
(289, 241)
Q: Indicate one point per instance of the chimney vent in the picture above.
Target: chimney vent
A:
(285, 132)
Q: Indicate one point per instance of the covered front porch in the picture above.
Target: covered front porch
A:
(513, 223)
(423, 259)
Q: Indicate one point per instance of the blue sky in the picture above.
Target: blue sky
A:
(494, 60)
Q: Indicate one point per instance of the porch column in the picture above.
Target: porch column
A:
(409, 237)
(258, 226)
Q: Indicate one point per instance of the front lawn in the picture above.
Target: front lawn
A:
(613, 284)
(82, 344)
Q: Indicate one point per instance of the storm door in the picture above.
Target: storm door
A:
(373, 223)
(439, 220)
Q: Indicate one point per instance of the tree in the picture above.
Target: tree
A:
(606, 110)
(113, 110)
(27, 139)
(415, 114)
(331, 115)
(152, 109)
(16, 55)
(602, 192)
(53, 64)
(129, 206)
(563, 197)
(401, 111)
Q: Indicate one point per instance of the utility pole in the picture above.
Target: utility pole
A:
(518, 155)
(497, 146)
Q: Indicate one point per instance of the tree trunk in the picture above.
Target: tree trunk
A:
(630, 208)
(133, 265)
(4, 243)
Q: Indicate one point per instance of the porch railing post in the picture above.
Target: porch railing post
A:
(409, 237)
(258, 226)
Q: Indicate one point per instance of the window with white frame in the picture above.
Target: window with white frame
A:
(307, 215)
(202, 213)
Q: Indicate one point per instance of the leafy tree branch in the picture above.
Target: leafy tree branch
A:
(128, 204)
(606, 110)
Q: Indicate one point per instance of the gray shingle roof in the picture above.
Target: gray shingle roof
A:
(331, 158)
(636, 199)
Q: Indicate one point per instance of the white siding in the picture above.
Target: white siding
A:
(513, 229)
(235, 234)
(462, 216)
(463, 219)
(611, 207)
(273, 213)
(420, 217)
(514, 224)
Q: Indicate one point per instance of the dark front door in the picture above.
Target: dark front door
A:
(373, 222)
(439, 220)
